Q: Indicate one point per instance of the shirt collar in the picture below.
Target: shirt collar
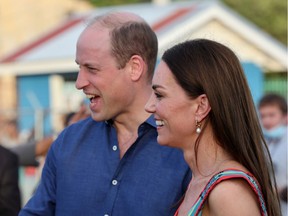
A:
(149, 121)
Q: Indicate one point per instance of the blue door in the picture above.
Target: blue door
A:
(34, 103)
(255, 80)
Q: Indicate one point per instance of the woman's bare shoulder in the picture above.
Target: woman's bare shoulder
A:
(233, 197)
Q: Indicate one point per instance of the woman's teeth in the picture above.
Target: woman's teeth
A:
(159, 123)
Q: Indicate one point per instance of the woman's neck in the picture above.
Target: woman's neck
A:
(211, 157)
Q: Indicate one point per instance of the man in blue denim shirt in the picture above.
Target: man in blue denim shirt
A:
(111, 164)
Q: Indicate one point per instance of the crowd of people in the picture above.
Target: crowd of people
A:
(183, 140)
(17, 151)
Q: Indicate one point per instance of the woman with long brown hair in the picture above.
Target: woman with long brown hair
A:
(202, 104)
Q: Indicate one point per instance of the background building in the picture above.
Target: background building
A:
(23, 21)
(38, 78)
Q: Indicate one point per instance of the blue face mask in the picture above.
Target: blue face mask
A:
(275, 133)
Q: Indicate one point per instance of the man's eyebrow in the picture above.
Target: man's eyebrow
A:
(85, 64)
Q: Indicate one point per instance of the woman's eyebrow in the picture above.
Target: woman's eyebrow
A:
(155, 86)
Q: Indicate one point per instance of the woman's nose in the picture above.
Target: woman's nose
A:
(150, 105)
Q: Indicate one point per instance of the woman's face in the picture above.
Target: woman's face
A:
(173, 110)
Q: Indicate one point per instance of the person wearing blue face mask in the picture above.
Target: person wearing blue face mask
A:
(273, 116)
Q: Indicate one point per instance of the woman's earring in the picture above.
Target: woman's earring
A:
(198, 127)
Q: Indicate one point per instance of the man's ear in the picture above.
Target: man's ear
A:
(137, 65)
(203, 108)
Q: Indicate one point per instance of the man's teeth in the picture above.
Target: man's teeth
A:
(159, 123)
(90, 96)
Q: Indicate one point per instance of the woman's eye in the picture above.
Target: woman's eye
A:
(157, 95)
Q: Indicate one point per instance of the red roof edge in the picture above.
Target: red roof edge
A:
(25, 49)
(157, 26)
(181, 12)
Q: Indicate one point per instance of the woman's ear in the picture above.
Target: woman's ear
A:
(203, 108)
(137, 67)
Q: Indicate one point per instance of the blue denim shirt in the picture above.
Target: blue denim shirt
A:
(84, 175)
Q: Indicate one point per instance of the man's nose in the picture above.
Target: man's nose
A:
(81, 80)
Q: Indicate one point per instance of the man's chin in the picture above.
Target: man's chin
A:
(97, 117)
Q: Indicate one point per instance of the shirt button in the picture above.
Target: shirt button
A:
(114, 148)
(114, 182)
(106, 215)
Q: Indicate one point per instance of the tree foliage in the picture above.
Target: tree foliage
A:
(269, 15)
(100, 3)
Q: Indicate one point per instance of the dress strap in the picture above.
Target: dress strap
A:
(224, 175)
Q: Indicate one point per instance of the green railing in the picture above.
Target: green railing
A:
(276, 83)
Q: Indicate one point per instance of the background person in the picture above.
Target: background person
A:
(29, 152)
(23, 144)
(111, 164)
(273, 115)
(10, 198)
(202, 105)
(10, 135)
